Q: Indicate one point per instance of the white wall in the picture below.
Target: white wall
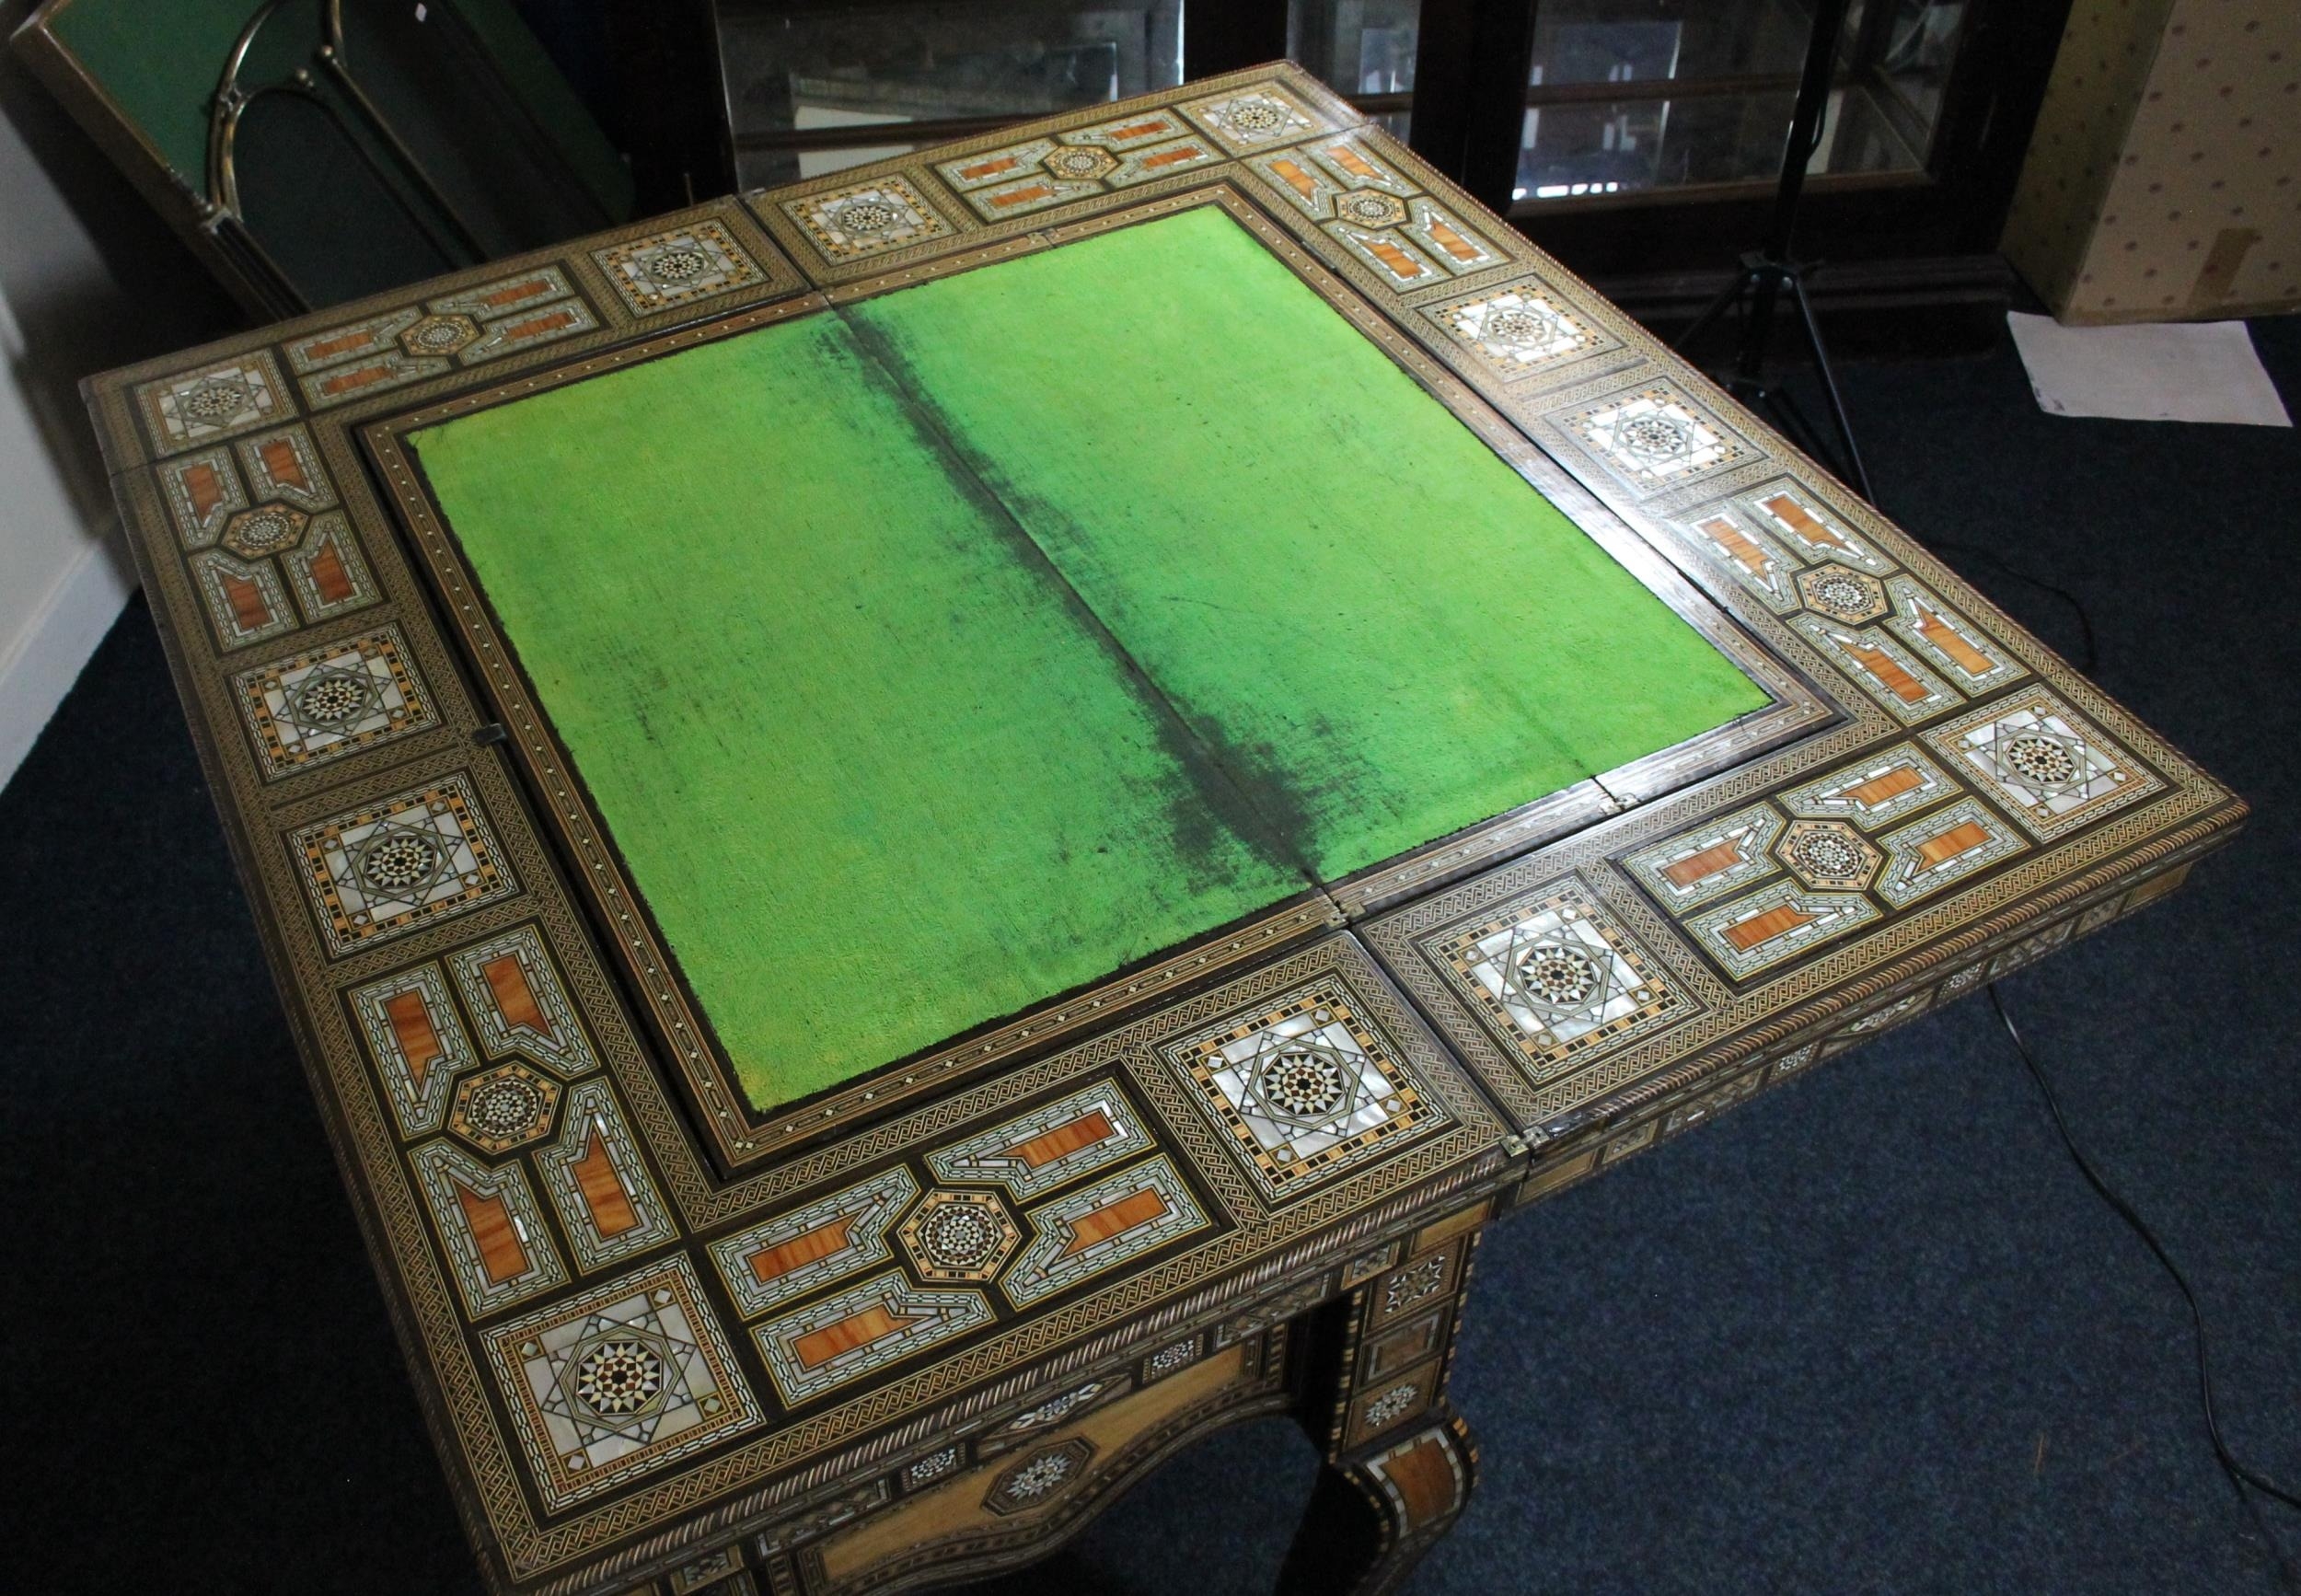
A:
(88, 279)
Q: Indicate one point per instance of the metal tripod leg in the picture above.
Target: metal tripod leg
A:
(1829, 382)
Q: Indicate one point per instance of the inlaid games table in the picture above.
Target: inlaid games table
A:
(929, 832)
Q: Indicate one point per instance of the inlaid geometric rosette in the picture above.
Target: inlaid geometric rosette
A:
(334, 700)
(619, 1382)
(1655, 439)
(1879, 790)
(1722, 855)
(958, 1235)
(696, 262)
(2053, 768)
(1828, 854)
(218, 401)
(1556, 978)
(858, 1331)
(1099, 1227)
(1041, 1477)
(782, 1259)
(865, 219)
(1522, 330)
(1946, 846)
(1305, 1088)
(506, 1106)
(1048, 1147)
(405, 861)
(1775, 923)
(1246, 119)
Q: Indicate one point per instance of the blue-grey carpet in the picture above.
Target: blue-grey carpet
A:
(1869, 1333)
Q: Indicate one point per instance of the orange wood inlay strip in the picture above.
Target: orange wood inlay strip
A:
(250, 609)
(1295, 177)
(1424, 1479)
(411, 1028)
(282, 464)
(345, 381)
(769, 1265)
(1737, 544)
(1892, 784)
(1170, 157)
(1795, 517)
(343, 343)
(989, 169)
(501, 1254)
(1701, 866)
(1350, 161)
(1136, 1207)
(1890, 674)
(1453, 243)
(517, 292)
(1142, 130)
(329, 575)
(1764, 928)
(204, 488)
(1960, 839)
(1948, 639)
(875, 1323)
(1063, 1140)
(1018, 196)
(1401, 264)
(596, 1178)
(552, 321)
(508, 979)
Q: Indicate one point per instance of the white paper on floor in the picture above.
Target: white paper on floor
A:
(2176, 371)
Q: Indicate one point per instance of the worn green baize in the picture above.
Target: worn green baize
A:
(932, 655)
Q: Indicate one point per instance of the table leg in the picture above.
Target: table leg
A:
(1399, 1462)
(1372, 1517)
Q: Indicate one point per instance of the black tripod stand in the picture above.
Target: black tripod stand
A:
(1766, 271)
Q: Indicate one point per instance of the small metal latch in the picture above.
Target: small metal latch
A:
(491, 734)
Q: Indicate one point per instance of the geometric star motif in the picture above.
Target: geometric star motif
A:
(1842, 595)
(1304, 1087)
(628, 1379)
(2056, 770)
(1829, 853)
(1552, 975)
(266, 529)
(959, 1235)
(1656, 439)
(403, 860)
(1081, 163)
(1039, 1477)
(440, 335)
(502, 1108)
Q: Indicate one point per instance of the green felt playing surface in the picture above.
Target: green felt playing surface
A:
(934, 655)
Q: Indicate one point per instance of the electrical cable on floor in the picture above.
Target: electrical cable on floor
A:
(2240, 1473)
